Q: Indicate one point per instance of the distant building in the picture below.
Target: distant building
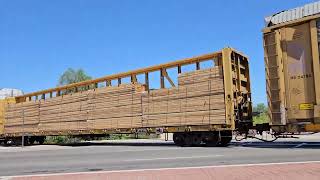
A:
(8, 92)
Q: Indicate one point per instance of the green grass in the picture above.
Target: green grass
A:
(70, 139)
(61, 140)
(262, 118)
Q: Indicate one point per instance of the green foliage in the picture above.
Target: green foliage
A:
(61, 140)
(261, 108)
(260, 119)
(55, 139)
(261, 114)
(73, 76)
(130, 136)
(70, 139)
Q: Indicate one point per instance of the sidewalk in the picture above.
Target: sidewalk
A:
(271, 171)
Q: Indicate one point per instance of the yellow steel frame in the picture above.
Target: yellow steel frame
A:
(107, 79)
(229, 98)
(232, 63)
(221, 58)
(162, 68)
(316, 67)
(171, 129)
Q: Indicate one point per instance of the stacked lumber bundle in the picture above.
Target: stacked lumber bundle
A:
(3, 105)
(67, 112)
(102, 108)
(116, 107)
(26, 113)
(205, 88)
(198, 100)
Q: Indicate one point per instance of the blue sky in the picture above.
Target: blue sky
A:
(39, 39)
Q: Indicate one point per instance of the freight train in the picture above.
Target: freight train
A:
(202, 106)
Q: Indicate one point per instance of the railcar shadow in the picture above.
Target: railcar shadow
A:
(279, 144)
(119, 144)
(233, 144)
(274, 145)
(79, 144)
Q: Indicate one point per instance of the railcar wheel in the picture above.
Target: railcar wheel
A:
(32, 140)
(225, 141)
(212, 139)
(178, 139)
(188, 139)
(226, 137)
(41, 139)
(196, 139)
(17, 141)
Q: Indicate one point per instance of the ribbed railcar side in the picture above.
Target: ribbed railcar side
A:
(293, 72)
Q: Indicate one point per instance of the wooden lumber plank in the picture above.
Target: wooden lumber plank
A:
(198, 100)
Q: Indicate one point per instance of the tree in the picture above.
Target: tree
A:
(260, 114)
(73, 76)
(260, 108)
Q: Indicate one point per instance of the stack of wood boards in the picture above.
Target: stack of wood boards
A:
(67, 112)
(22, 117)
(2, 108)
(3, 105)
(198, 100)
(116, 107)
(102, 108)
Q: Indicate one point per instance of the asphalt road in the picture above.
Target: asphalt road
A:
(147, 155)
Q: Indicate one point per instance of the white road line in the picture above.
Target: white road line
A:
(164, 169)
(173, 158)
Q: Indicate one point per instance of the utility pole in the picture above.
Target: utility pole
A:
(22, 140)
